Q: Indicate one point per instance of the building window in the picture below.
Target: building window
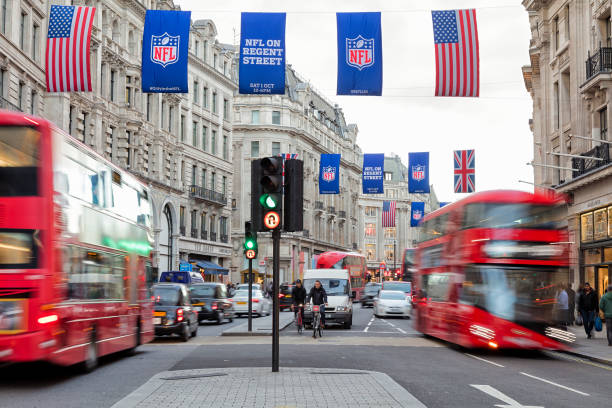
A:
(275, 148)
(129, 150)
(215, 58)
(149, 107)
(205, 55)
(389, 253)
(3, 21)
(370, 211)
(112, 142)
(213, 142)
(205, 97)
(255, 117)
(128, 91)
(370, 229)
(224, 185)
(35, 35)
(71, 120)
(213, 181)
(586, 227)
(112, 84)
(203, 225)
(609, 32)
(182, 219)
(194, 134)
(197, 48)
(2, 77)
(20, 95)
(213, 229)
(224, 67)
(163, 114)
(556, 32)
(255, 149)
(567, 22)
(388, 176)
(182, 129)
(603, 123)
(214, 102)
(225, 148)
(22, 28)
(32, 102)
(182, 175)
(203, 181)
(196, 88)
(556, 101)
(600, 224)
(371, 252)
(204, 138)
(194, 169)
(170, 118)
(194, 224)
(226, 109)
(276, 117)
(390, 232)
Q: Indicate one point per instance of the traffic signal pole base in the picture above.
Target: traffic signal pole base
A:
(276, 235)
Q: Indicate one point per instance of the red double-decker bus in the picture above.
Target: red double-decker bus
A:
(75, 242)
(353, 262)
(488, 270)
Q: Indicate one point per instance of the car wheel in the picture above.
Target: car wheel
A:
(219, 317)
(186, 333)
(349, 323)
(91, 357)
(195, 332)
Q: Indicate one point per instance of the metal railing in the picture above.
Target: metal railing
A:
(204, 234)
(194, 233)
(182, 229)
(585, 165)
(600, 61)
(206, 194)
(213, 236)
(331, 209)
(224, 238)
(318, 205)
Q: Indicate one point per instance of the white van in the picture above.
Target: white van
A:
(337, 285)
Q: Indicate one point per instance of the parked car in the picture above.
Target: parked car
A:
(173, 313)
(245, 286)
(210, 301)
(261, 305)
(185, 277)
(392, 303)
(339, 308)
(369, 293)
(285, 295)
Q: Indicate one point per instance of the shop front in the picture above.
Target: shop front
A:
(596, 248)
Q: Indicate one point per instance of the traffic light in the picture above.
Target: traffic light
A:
(250, 241)
(271, 191)
(294, 196)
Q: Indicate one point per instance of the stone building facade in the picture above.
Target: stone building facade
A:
(178, 144)
(300, 122)
(570, 78)
(386, 245)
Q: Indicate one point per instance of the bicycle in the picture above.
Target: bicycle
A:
(316, 321)
(299, 321)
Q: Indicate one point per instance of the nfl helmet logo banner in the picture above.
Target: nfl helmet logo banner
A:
(417, 212)
(373, 168)
(418, 175)
(359, 54)
(329, 168)
(165, 44)
(262, 53)
(164, 49)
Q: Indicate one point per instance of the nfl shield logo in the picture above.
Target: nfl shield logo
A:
(417, 215)
(360, 52)
(329, 173)
(164, 49)
(418, 173)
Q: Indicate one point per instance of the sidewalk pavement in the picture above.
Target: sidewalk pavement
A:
(262, 326)
(259, 387)
(595, 349)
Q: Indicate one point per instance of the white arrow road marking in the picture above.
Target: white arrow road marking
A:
(482, 359)
(487, 389)
(555, 384)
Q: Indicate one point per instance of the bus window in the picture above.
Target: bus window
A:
(19, 150)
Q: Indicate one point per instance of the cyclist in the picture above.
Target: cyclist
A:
(298, 294)
(319, 297)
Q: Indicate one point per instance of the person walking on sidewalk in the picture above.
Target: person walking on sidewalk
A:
(588, 306)
(562, 306)
(605, 304)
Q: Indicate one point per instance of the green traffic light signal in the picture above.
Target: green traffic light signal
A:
(250, 244)
(269, 201)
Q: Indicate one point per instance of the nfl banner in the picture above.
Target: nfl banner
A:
(373, 168)
(262, 53)
(360, 69)
(417, 211)
(165, 49)
(443, 203)
(418, 172)
(329, 177)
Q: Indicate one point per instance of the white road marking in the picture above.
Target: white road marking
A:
(366, 329)
(482, 359)
(555, 384)
(487, 389)
(401, 330)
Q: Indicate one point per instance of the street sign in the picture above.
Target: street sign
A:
(271, 220)
(262, 263)
(250, 254)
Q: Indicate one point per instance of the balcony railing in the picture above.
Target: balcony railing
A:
(213, 236)
(318, 205)
(4, 104)
(342, 214)
(194, 233)
(201, 193)
(204, 234)
(600, 61)
(587, 165)
(224, 239)
(306, 233)
(331, 209)
(182, 229)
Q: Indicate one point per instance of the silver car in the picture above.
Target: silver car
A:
(261, 305)
(392, 303)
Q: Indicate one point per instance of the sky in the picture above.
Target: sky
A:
(407, 118)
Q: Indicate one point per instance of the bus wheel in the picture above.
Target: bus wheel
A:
(137, 340)
(91, 356)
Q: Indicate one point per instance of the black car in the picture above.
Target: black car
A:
(369, 293)
(173, 313)
(211, 303)
(285, 294)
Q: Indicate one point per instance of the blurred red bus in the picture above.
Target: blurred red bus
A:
(75, 242)
(353, 262)
(488, 269)
(407, 270)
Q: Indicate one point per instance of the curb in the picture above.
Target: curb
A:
(589, 357)
(265, 332)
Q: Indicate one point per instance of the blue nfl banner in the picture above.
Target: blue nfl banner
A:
(373, 168)
(443, 203)
(418, 172)
(417, 212)
(262, 53)
(165, 50)
(360, 70)
(329, 174)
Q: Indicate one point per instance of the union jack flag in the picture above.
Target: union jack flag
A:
(287, 156)
(465, 169)
(388, 214)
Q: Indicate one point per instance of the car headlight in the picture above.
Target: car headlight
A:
(342, 308)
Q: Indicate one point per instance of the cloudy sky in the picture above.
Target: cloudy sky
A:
(407, 118)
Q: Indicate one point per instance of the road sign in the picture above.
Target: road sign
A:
(262, 263)
(271, 220)
(250, 254)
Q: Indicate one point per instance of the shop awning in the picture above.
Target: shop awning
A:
(211, 268)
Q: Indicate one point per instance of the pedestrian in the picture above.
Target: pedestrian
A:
(562, 305)
(571, 297)
(605, 304)
(588, 306)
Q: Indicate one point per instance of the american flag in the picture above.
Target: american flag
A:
(465, 169)
(457, 61)
(388, 214)
(67, 60)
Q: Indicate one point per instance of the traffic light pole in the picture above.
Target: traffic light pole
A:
(250, 295)
(276, 235)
